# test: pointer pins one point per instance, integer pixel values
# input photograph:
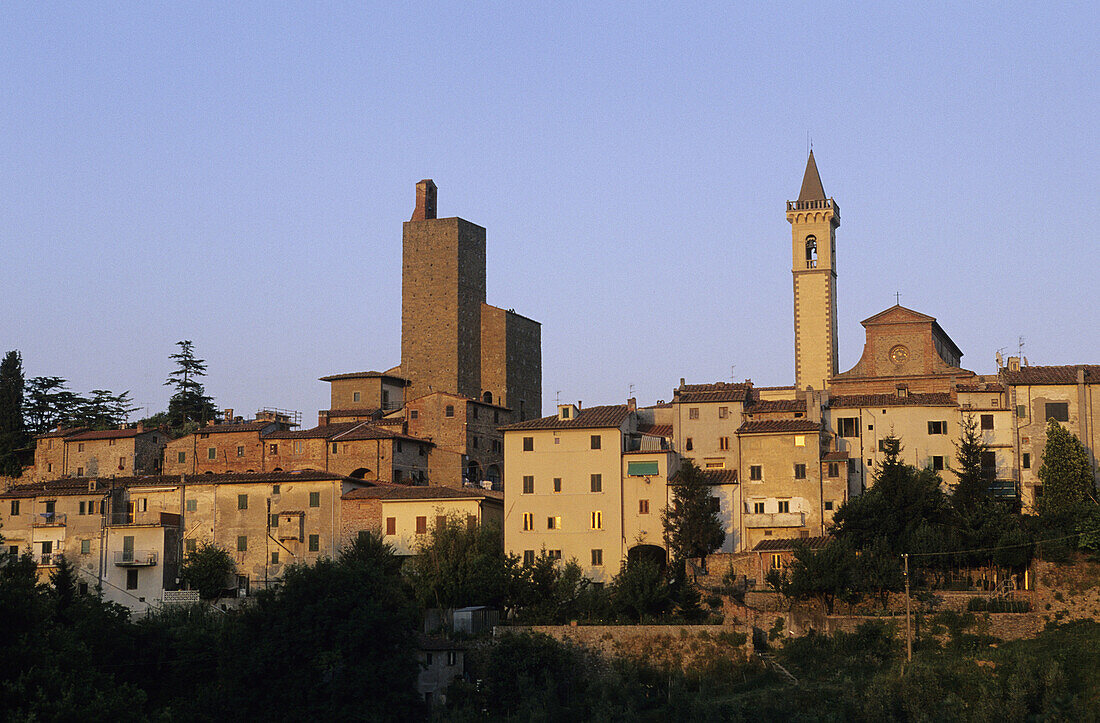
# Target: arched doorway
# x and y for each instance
(360, 473)
(473, 473)
(653, 553)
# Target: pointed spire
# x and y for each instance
(811, 183)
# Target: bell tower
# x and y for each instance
(814, 219)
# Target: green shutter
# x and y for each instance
(642, 469)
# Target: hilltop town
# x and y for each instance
(452, 442)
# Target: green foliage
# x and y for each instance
(691, 522)
(1088, 528)
(50, 404)
(1067, 477)
(640, 591)
(997, 605)
(973, 485)
(208, 570)
(826, 574)
(13, 434)
(878, 572)
(189, 403)
(458, 565)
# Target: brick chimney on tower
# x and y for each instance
(425, 200)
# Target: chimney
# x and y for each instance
(632, 404)
(140, 427)
(425, 200)
(322, 418)
(228, 416)
(1014, 363)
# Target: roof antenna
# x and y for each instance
(897, 298)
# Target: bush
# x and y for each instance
(997, 605)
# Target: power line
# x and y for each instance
(992, 549)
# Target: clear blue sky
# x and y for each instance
(237, 174)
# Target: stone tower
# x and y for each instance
(814, 219)
(442, 292)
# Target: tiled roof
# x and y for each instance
(62, 432)
(362, 375)
(766, 426)
(418, 492)
(324, 431)
(717, 392)
(986, 387)
(790, 543)
(107, 434)
(777, 405)
(835, 456)
(657, 430)
(1066, 374)
(594, 417)
(773, 389)
(373, 431)
(351, 412)
(391, 421)
(931, 399)
(79, 485)
(712, 476)
(242, 427)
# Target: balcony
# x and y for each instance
(776, 519)
(149, 519)
(50, 559)
(49, 519)
(817, 205)
(136, 558)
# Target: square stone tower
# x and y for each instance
(442, 292)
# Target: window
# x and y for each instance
(79, 471)
(758, 508)
(452, 657)
(1058, 411)
(937, 427)
(80, 447)
(391, 525)
(15, 508)
(190, 546)
(828, 505)
(528, 521)
(847, 426)
(554, 554)
(937, 462)
(597, 483)
(83, 506)
(440, 521)
(989, 465)
(355, 396)
(414, 414)
(49, 466)
(275, 489)
(211, 452)
(449, 411)
(273, 520)
(714, 464)
(597, 520)
(122, 463)
(85, 547)
(723, 412)
(297, 446)
(693, 413)
(191, 505)
(473, 412)
(273, 448)
(13, 550)
(643, 507)
(784, 505)
(181, 457)
(1026, 463)
(777, 561)
(423, 451)
(51, 507)
(987, 421)
(553, 522)
(314, 499)
(1021, 410)
(595, 441)
(275, 557)
(834, 469)
(242, 543)
(756, 473)
(800, 471)
(131, 579)
(688, 445)
(597, 558)
(528, 557)
(723, 443)
(421, 525)
(529, 484)
(800, 440)
(314, 543)
(242, 502)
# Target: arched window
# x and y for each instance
(487, 397)
(811, 252)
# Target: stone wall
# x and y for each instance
(659, 645)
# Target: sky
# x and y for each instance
(237, 174)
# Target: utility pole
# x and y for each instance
(908, 628)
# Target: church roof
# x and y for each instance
(812, 190)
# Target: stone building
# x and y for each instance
(81, 452)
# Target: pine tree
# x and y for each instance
(12, 430)
(1066, 474)
(972, 484)
(691, 520)
(189, 403)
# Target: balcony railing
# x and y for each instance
(49, 560)
(818, 205)
(775, 519)
(135, 558)
(49, 519)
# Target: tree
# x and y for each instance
(104, 409)
(826, 574)
(1066, 474)
(973, 483)
(12, 431)
(691, 521)
(458, 565)
(640, 590)
(189, 403)
(207, 569)
(49, 404)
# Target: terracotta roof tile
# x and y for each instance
(984, 387)
(79, 485)
(767, 426)
(790, 543)
(657, 430)
(777, 405)
(1066, 374)
(712, 476)
(835, 456)
(420, 492)
(931, 399)
(227, 428)
(374, 431)
(352, 412)
(716, 392)
(591, 418)
(68, 432)
(362, 375)
(325, 431)
(107, 434)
